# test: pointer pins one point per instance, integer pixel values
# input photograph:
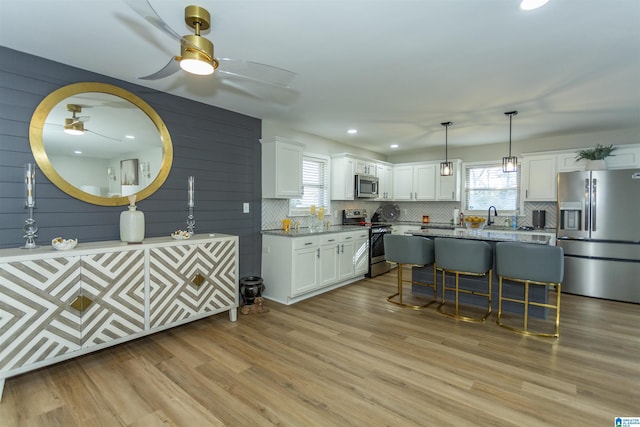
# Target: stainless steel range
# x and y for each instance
(377, 263)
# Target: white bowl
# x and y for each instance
(181, 235)
(63, 244)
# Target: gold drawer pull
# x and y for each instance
(81, 303)
(198, 280)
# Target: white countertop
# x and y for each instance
(489, 235)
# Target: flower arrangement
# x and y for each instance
(600, 152)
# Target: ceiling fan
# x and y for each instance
(75, 124)
(196, 51)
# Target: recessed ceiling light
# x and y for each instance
(394, 145)
(352, 131)
(77, 152)
(532, 4)
(130, 137)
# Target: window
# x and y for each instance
(315, 186)
(486, 185)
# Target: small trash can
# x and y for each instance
(251, 287)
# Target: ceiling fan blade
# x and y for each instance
(256, 71)
(144, 9)
(172, 67)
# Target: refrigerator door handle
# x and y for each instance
(587, 204)
(593, 204)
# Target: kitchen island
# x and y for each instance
(510, 289)
(490, 235)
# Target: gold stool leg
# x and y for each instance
(398, 294)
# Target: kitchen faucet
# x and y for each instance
(495, 213)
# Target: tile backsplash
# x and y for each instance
(274, 210)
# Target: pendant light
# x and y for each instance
(510, 164)
(446, 167)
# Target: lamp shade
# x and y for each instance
(446, 169)
(509, 164)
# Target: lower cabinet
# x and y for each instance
(54, 306)
(296, 268)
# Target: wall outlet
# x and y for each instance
(245, 208)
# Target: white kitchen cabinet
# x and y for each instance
(384, 172)
(329, 254)
(361, 254)
(343, 178)
(365, 167)
(415, 182)
(296, 268)
(346, 259)
(448, 187)
(56, 306)
(281, 168)
(539, 182)
(306, 262)
(566, 162)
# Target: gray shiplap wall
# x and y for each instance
(219, 147)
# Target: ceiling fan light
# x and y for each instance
(73, 128)
(509, 164)
(196, 66)
(197, 56)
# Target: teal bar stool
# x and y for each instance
(467, 258)
(409, 251)
(530, 264)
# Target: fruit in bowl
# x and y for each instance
(475, 223)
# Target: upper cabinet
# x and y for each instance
(539, 178)
(281, 168)
(624, 157)
(343, 173)
(365, 167)
(414, 182)
(448, 187)
(384, 172)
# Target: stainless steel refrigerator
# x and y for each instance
(599, 230)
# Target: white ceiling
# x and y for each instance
(393, 69)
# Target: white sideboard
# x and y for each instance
(55, 305)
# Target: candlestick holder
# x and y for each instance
(30, 230)
(30, 227)
(191, 222)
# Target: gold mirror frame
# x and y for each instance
(36, 130)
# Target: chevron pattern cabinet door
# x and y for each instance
(114, 283)
(37, 321)
(186, 280)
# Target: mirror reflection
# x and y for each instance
(100, 145)
(108, 147)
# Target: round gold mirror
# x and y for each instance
(100, 143)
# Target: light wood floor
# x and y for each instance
(348, 358)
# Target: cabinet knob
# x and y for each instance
(198, 280)
(81, 303)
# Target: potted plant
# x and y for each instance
(595, 156)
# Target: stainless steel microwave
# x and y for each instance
(366, 187)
